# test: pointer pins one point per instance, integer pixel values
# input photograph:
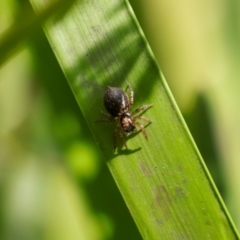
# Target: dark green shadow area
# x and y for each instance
(26, 25)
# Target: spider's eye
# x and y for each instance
(129, 128)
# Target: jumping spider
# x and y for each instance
(118, 104)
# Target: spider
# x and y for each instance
(118, 104)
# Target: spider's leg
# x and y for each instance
(105, 114)
(142, 118)
(104, 120)
(115, 139)
(142, 129)
(144, 107)
(119, 133)
(131, 95)
(109, 118)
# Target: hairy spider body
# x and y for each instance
(118, 104)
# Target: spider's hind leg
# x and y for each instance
(109, 118)
(131, 100)
(105, 114)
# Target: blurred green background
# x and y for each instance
(54, 183)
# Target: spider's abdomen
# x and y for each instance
(116, 101)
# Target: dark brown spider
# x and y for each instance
(118, 105)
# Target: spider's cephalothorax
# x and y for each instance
(118, 105)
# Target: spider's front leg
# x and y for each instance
(142, 129)
(118, 133)
(142, 108)
(143, 118)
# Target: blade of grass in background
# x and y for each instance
(25, 28)
(163, 181)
